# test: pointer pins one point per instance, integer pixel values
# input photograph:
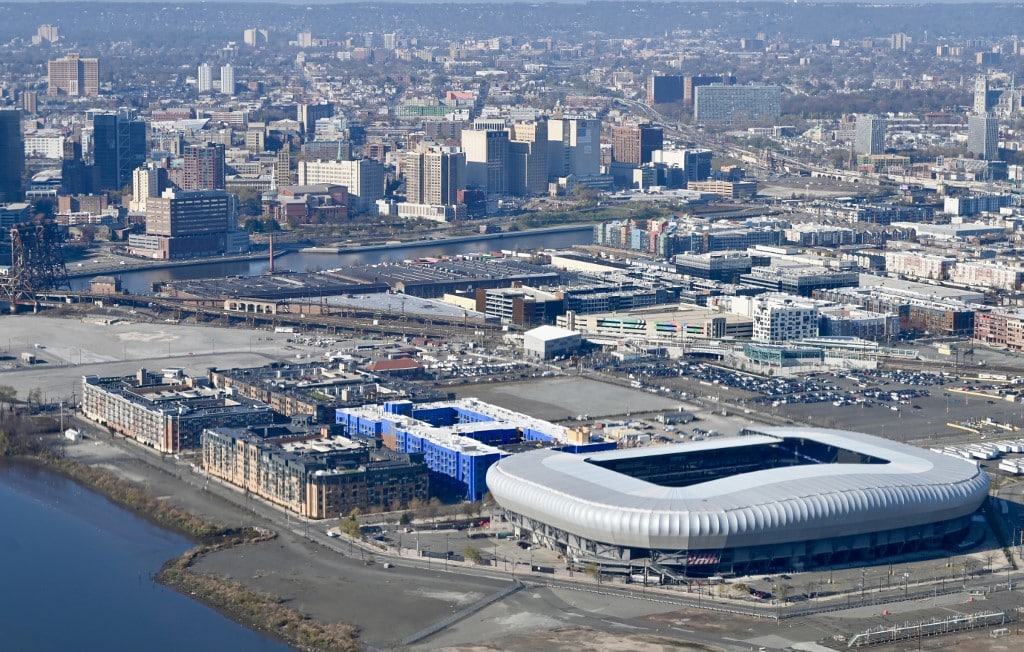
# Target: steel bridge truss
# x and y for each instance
(37, 262)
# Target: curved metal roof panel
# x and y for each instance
(778, 505)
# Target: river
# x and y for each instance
(141, 282)
(76, 576)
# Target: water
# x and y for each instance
(141, 282)
(76, 576)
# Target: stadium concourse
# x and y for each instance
(769, 500)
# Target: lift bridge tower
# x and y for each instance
(36, 263)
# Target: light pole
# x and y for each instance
(447, 552)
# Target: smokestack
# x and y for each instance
(270, 270)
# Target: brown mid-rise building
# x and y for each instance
(1000, 328)
(634, 143)
(315, 476)
(73, 76)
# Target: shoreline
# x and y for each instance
(401, 244)
(143, 266)
(259, 611)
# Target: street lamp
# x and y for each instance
(447, 552)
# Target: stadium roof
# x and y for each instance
(805, 502)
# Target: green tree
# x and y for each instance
(472, 554)
(35, 395)
(350, 526)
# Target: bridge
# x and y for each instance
(36, 264)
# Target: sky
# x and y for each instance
(534, 2)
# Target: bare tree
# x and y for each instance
(7, 396)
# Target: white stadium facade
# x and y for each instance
(771, 499)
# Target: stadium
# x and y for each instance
(769, 500)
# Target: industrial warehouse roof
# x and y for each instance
(549, 333)
(905, 487)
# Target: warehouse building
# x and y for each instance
(547, 342)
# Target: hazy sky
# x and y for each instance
(533, 2)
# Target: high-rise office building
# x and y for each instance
(76, 178)
(73, 76)
(737, 105)
(434, 177)
(48, 33)
(310, 113)
(983, 136)
(255, 36)
(227, 79)
(486, 160)
(204, 79)
(283, 167)
(684, 165)
(664, 89)
(147, 182)
(29, 101)
(869, 135)
(363, 178)
(981, 95)
(574, 147)
(528, 158)
(633, 143)
(204, 167)
(187, 213)
(12, 156)
(190, 223)
(692, 82)
(390, 40)
(119, 146)
(255, 136)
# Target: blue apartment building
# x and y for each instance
(459, 439)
